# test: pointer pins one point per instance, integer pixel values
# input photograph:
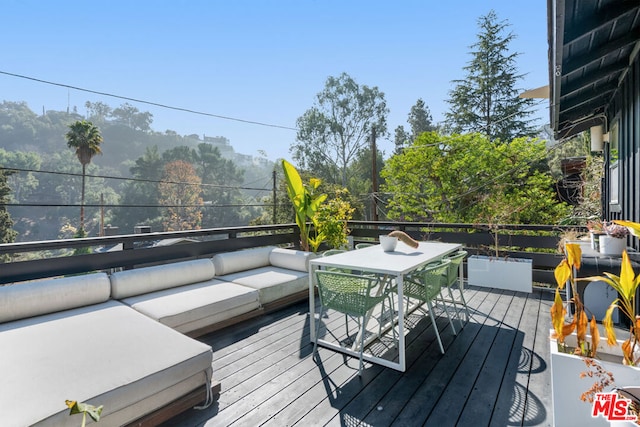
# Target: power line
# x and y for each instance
(228, 187)
(141, 101)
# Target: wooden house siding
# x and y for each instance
(625, 107)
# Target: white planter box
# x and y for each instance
(502, 273)
(567, 386)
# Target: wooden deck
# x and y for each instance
(495, 372)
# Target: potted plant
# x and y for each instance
(306, 202)
(584, 364)
(596, 229)
(615, 239)
(500, 272)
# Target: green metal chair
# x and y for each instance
(453, 277)
(330, 252)
(425, 286)
(353, 295)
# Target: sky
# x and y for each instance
(252, 60)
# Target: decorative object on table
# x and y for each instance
(388, 243)
(615, 241)
(573, 350)
(596, 229)
(405, 238)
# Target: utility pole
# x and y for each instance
(374, 174)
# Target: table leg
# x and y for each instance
(312, 305)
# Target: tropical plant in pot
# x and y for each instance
(306, 201)
(602, 359)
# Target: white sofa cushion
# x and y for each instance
(29, 299)
(150, 279)
(246, 259)
(288, 258)
(106, 354)
(187, 308)
(272, 282)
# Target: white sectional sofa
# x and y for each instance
(279, 275)
(121, 341)
(65, 339)
(184, 295)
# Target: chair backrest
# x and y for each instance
(432, 277)
(332, 252)
(454, 266)
(347, 293)
(364, 245)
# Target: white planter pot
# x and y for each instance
(502, 273)
(567, 386)
(612, 245)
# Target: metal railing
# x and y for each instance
(36, 260)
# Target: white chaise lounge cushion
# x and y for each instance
(191, 307)
(291, 259)
(246, 259)
(106, 354)
(29, 299)
(273, 283)
(150, 279)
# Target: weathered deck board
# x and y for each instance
(494, 371)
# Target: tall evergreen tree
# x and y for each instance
(486, 100)
(7, 234)
(420, 119)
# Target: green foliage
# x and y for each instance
(306, 202)
(85, 409)
(7, 234)
(332, 217)
(469, 178)
(333, 132)
(486, 100)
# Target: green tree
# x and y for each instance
(401, 139)
(486, 100)
(470, 178)
(7, 234)
(143, 192)
(419, 120)
(85, 139)
(130, 116)
(332, 133)
(98, 111)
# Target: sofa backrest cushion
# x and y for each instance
(290, 259)
(144, 280)
(22, 300)
(246, 259)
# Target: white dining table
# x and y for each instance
(394, 265)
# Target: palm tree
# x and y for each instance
(85, 138)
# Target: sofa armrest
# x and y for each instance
(290, 259)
